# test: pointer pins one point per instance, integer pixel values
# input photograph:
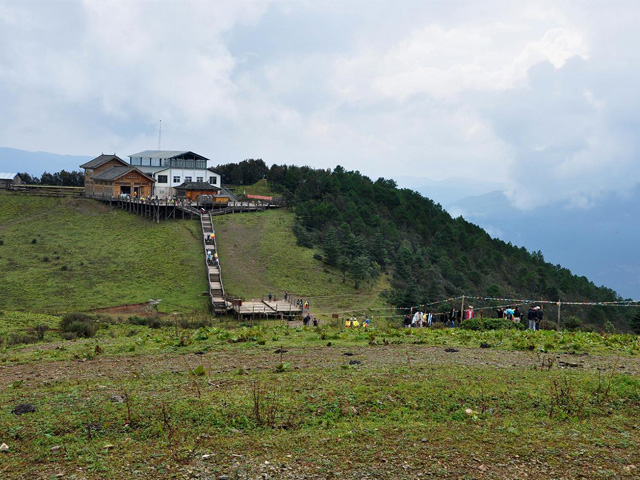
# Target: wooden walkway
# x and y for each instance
(264, 308)
(214, 272)
(156, 209)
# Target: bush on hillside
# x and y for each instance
(478, 324)
(151, 322)
(21, 339)
(547, 325)
(573, 323)
(78, 324)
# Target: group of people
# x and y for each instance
(535, 315)
(212, 257)
(308, 320)
(453, 317)
(354, 323)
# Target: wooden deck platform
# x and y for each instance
(267, 308)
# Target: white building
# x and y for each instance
(172, 168)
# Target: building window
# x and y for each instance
(162, 179)
(213, 180)
(198, 179)
(187, 179)
(176, 179)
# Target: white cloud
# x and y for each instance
(538, 93)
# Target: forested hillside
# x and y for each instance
(366, 227)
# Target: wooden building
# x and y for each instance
(195, 190)
(110, 176)
(8, 180)
(116, 181)
(97, 165)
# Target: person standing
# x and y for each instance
(531, 316)
(517, 314)
(539, 315)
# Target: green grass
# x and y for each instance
(63, 254)
(261, 187)
(259, 254)
(407, 408)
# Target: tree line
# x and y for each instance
(59, 179)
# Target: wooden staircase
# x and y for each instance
(214, 273)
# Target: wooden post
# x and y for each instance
(558, 324)
(462, 310)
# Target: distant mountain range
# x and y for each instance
(600, 243)
(36, 163)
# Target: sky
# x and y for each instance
(537, 99)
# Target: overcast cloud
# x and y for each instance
(540, 97)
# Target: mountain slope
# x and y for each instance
(366, 227)
(35, 163)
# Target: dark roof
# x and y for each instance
(196, 186)
(167, 154)
(101, 160)
(117, 172)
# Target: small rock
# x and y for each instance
(23, 408)
(450, 350)
(355, 362)
(223, 477)
(280, 350)
(424, 440)
(348, 354)
(117, 399)
(108, 446)
(4, 447)
(206, 456)
(329, 344)
(55, 448)
(485, 345)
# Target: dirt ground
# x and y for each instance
(307, 357)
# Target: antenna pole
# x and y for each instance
(160, 135)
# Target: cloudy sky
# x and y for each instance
(540, 98)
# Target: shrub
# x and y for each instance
(45, 259)
(572, 323)
(136, 320)
(1, 242)
(317, 256)
(41, 330)
(194, 324)
(34, 241)
(64, 268)
(151, 322)
(80, 324)
(547, 325)
(21, 338)
(478, 324)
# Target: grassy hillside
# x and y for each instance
(259, 254)
(61, 254)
